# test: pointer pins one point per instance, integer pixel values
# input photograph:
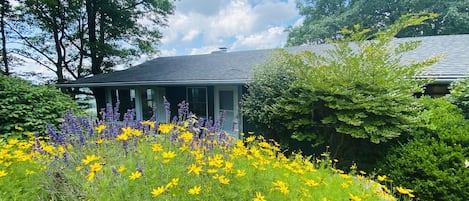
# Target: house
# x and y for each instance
(214, 83)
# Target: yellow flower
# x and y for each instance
(121, 169)
(3, 173)
(18, 128)
(89, 159)
(168, 155)
(382, 178)
(122, 137)
(405, 191)
(13, 141)
(311, 183)
(100, 128)
(158, 191)
(259, 197)
(79, 168)
(156, 147)
(99, 141)
(96, 167)
(222, 179)
(240, 173)
(136, 132)
(172, 183)
(195, 190)
(165, 128)
(194, 169)
(150, 123)
(135, 175)
(90, 176)
(354, 197)
(186, 136)
(29, 172)
(281, 186)
(250, 138)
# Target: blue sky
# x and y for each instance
(202, 26)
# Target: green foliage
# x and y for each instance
(357, 87)
(30, 107)
(460, 95)
(433, 161)
(325, 18)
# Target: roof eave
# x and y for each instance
(153, 83)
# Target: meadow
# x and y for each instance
(189, 158)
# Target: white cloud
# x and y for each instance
(272, 38)
(198, 27)
(167, 53)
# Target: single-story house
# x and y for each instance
(214, 83)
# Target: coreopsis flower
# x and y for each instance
(240, 173)
(122, 137)
(382, 177)
(354, 197)
(96, 167)
(259, 197)
(195, 190)
(194, 169)
(158, 191)
(281, 186)
(311, 183)
(172, 183)
(100, 128)
(3, 173)
(405, 191)
(90, 176)
(156, 147)
(89, 158)
(165, 128)
(135, 175)
(121, 169)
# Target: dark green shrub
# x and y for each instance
(433, 162)
(460, 95)
(30, 107)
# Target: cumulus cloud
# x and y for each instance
(200, 27)
(271, 38)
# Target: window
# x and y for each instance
(197, 99)
(148, 103)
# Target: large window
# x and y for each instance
(197, 99)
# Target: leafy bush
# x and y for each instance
(29, 107)
(359, 87)
(145, 160)
(433, 161)
(460, 95)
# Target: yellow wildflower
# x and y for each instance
(135, 175)
(172, 183)
(121, 169)
(195, 190)
(250, 138)
(281, 186)
(79, 168)
(13, 141)
(259, 197)
(382, 178)
(158, 191)
(165, 128)
(194, 169)
(29, 172)
(186, 136)
(311, 183)
(96, 167)
(240, 173)
(150, 123)
(100, 128)
(354, 197)
(136, 132)
(156, 147)
(90, 176)
(405, 191)
(89, 159)
(122, 137)
(3, 173)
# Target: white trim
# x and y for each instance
(138, 103)
(237, 118)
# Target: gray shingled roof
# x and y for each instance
(236, 67)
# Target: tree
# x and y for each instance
(460, 95)
(89, 36)
(320, 23)
(5, 9)
(356, 88)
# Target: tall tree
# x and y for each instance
(324, 19)
(82, 37)
(4, 11)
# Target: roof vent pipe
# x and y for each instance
(220, 50)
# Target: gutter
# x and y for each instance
(153, 83)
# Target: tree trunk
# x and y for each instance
(4, 46)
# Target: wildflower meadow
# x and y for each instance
(189, 158)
